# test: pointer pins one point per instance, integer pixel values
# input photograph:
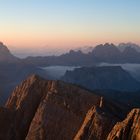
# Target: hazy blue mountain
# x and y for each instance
(130, 55)
(72, 58)
(108, 53)
(103, 78)
(12, 71)
(85, 49)
(5, 55)
(122, 46)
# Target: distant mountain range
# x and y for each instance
(123, 46)
(108, 53)
(85, 49)
(91, 103)
(13, 70)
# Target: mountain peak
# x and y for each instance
(122, 46)
(3, 47)
(131, 126)
(106, 50)
(37, 101)
(37, 106)
(5, 54)
(1, 43)
(97, 124)
(34, 77)
(109, 45)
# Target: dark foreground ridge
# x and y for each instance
(41, 109)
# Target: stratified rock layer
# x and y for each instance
(49, 109)
(96, 126)
(129, 129)
(41, 109)
(60, 112)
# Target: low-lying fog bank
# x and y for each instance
(56, 72)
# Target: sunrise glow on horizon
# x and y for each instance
(68, 23)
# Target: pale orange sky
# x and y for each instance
(61, 24)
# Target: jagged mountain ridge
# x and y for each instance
(15, 70)
(34, 105)
(108, 53)
(122, 46)
(12, 71)
(96, 120)
(129, 129)
(31, 96)
(5, 55)
(30, 113)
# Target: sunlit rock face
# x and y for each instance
(40, 109)
(96, 126)
(129, 129)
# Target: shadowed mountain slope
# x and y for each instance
(50, 110)
(103, 78)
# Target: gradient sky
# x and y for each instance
(68, 23)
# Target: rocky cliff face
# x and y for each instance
(25, 100)
(41, 109)
(129, 129)
(96, 126)
(48, 109)
(58, 113)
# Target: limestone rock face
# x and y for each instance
(41, 109)
(48, 109)
(97, 125)
(60, 112)
(129, 129)
(25, 100)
